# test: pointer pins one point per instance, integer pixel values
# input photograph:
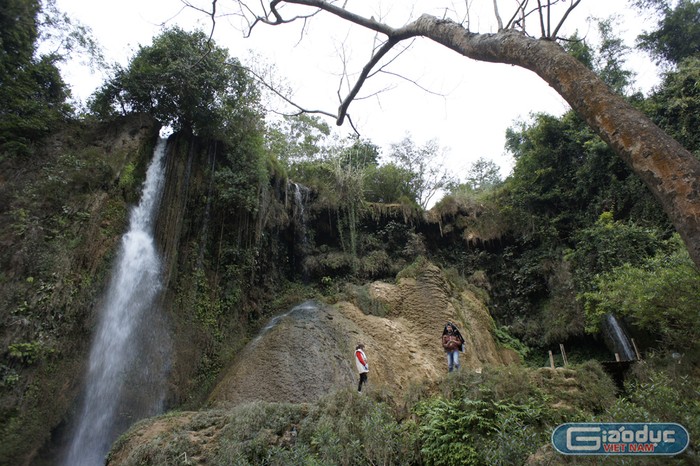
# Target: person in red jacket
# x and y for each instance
(361, 364)
(452, 343)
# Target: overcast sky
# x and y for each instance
(467, 106)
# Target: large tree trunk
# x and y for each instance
(670, 171)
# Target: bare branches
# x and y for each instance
(498, 16)
(541, 15)
(542, 10)
(573, 5)
(394, 36)
(281, 12)
(211, 14)
(279, 94)
(520, 11)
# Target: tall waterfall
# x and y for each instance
(129, 355)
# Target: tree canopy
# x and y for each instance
(185, 81)
(32, 93)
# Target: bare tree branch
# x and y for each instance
(539, 11)
(498, 16)
(518, 11)
(573, 5)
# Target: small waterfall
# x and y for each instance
(129, 354)
(305, 307)
(617, 338)
(301, 246)
(301, 197)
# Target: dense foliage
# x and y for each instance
(659, 295)
(185, 81)
(677, 33)
(32, 92)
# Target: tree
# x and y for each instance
(675, 106)
(422, 162)
(297, 138)
(184, 80)
(32, 92)
(677, 35)
(483, 174)
(668, 169)
(390, 184)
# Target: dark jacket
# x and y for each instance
(451, 341)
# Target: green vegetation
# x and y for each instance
(567, 237)
(660, 296)
(33, 94)
(185, 81)
(502, 416)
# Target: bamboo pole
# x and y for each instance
(636, 351)
(551, 359)
(563, 354)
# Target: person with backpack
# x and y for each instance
(452, 343)
(361, 364)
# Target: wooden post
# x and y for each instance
(617, 357)
(563, 354)
(551, 359)
(636, 351)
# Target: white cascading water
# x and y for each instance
(128, 357)
(621, 341)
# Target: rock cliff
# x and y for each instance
(307, 352)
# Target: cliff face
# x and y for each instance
(305, 354)
(62, 212)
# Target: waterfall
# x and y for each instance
(301, 197)
(617, 338)
(129, 353)
(301, 247)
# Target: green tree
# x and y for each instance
(483, 174)
(609, 62)
(32, 92)
(185, 81)
(609, 244)
(677, 33)
(675, 105)
(389, 184)
(423, 162)
(360, 154)
(297, 138)
(565, 176)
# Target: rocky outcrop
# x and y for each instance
(307, 352)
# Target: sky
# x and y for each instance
(430, 92)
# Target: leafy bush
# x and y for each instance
(27, 353)
(509, 341)
(661, 296)
(655, 395)
(470, 432)
(609, 244)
